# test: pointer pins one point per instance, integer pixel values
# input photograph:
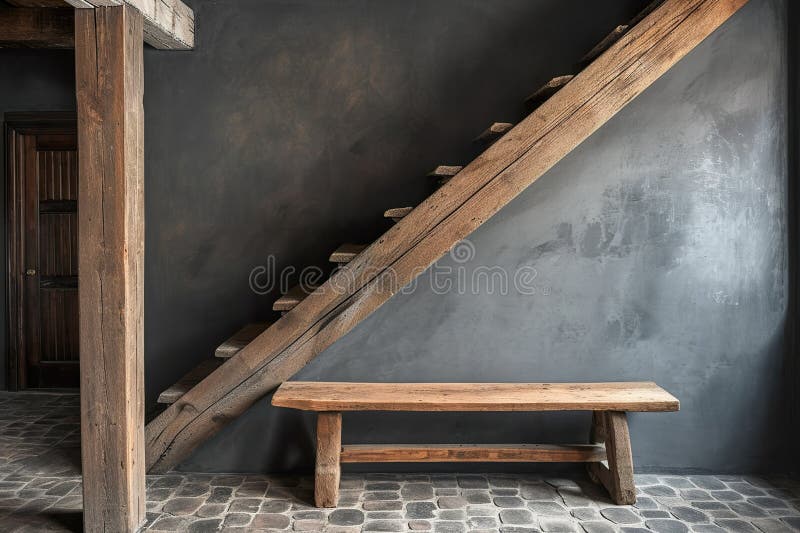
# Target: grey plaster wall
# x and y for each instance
(660, 245)
(660, 253)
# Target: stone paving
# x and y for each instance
(40, 490)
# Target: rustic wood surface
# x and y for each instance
(339, 396)
(346, 253)
(397, 213)
(450, 214)
(37, 28)
(168, 24)
(548, 89)
(240, 339)
(110, 89)
(189, 380)
(605, 43)
(470, 453)
(293, 296)
(494, 132)
(620, 459)
(328, 468)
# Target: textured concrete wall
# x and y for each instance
(659, 247)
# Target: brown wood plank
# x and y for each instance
(240, 339)
(444, 173)
(328, 469)
(605, 43)
(339, 396)
(188, 380)
(470, 453)
(346, 253)
(475, 194)
(37, 28)
(619, 482)
(293, 296)
(110, 89)
(494, 132)
(548, 89)
(397, 213)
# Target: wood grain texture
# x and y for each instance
(494, 132)
(291, 298)
(168, 24)
(339, 396)
(346, 253)
(397, 213)
(450, 214)
(328, 469)
(548, 89)
(620, 458)
(188, 380)
(605, 43)
(37, 28)
(471, 453)
(240, 339)
(110, 90)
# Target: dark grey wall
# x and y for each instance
(660, 250)
(659, 245)
(30, 80)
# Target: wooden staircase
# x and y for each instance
(565, 111)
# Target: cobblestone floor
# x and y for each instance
(40, 490)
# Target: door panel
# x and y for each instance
(44, 256)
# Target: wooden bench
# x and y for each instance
(608, 454)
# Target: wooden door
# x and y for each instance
(43, 248)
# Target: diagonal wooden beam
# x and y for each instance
(453, 212)
(168, 24)
(37, 28)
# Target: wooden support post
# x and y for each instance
(109, 79)
(617, 477)
(329, 449)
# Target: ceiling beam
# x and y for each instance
(37, 28)
(168, 24)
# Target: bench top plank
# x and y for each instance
(339, 396)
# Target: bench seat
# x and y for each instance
(607, 454)
(339, 396)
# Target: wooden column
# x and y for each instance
(329, 449)
(109, 78)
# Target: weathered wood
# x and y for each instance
(346, 253)
(620, 459)
(444, 173)
(494, 132)
(291, 298)
(450, 214)
(397, 213)
(328, 469)
(240, 339)
(37, 28)
(605, 43)
(168, 24)
(110, 88)
(548, 89)
(189, 380)
(471, 453)
(336, 396)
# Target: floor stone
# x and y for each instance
(40, 491)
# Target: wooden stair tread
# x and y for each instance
(397, 213)
(445, 171)
(346, 253)
(240, 339)
(494, 132)
(337, 396)
(548, 89)
(189, 380)
(605, 43)
(293, 296)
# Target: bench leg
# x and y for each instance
(329, 449)
(617, 477)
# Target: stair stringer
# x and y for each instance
(450, 214)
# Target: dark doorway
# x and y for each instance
(42, 214)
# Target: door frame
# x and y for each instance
(26, 123)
